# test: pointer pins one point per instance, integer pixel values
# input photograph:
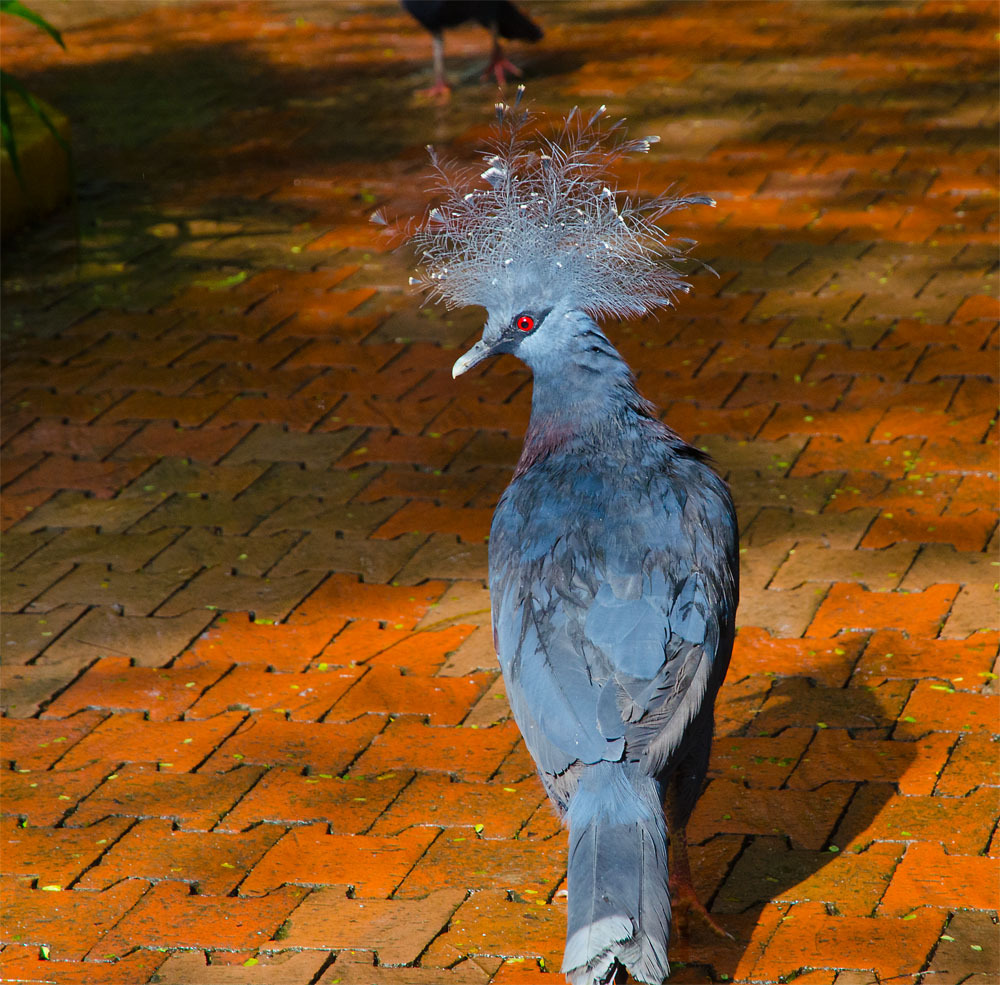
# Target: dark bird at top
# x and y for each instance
(500, 17)
(613, 559)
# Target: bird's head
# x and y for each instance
(531, 330)
(542, 233)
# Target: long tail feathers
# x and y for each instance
(619, 901)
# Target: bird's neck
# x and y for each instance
(586, 395)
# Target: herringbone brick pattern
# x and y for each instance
(254, 731)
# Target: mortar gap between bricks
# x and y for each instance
(709, 353)
(222, 738)
(385, 811)
(42, 705)
(132, 823)
(324, 967)
(744, 845)
(416, 862)
(38, 656)
(70, 811)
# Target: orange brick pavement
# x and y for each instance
(253, 728)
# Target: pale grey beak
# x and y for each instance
(475, 355)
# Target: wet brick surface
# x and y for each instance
(253, 728)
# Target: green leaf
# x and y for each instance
(18, 9)
(7, 131)
(221, 285)
(7, 81)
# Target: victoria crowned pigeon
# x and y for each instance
(613, 560)
(500, 17)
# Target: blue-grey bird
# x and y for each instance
(613, 560)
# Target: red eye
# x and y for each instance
(525, 323)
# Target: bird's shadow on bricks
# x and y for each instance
(785, 814)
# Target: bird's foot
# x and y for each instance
(499, 65)
(439, 93)
(685, 903)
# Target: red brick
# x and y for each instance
(101, 479)
(70, 923)
(168, 916)
(184, 411)
(826, 453)
(361, 410)
(72, 408)
(928, 876)
(828, 661)
(44, 798)
(302, 697)
(489, 922)
(809, 936)
(850, 607)
(112, 683)
(19, 963)
(807, 818)
(310, 856)
(270, 740)
(349, 804)
(965, 533)
(758, 389)
(33, 744)
(964, 771)
(297, 413)
(973, 397)
(434, 450)
(175, 747)
(468, 523)
(469, 754)
(344, 595)
(16, 507)
(962, 824)
(502, 809)
(935, 705)
(833, 755)
(369, 357)
(851, 426)
(977, 306)
(443, 700)
(242, 968)
(93, 441)
(459, 858)
(55, 856)
(213, 863)
(796, 702)
(893, 655)
(938, 425)
(759, 762)
(419, 653)
(360, 641)
(397, 930)
(974, 492)
(283, 647)
(851, 882)
(132, 593)
(957, 456)
(194, 801)
(200, 444)
(872, 391)
(407, 483)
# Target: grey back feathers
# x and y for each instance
(543, 219)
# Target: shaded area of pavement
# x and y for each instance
(254, 729)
